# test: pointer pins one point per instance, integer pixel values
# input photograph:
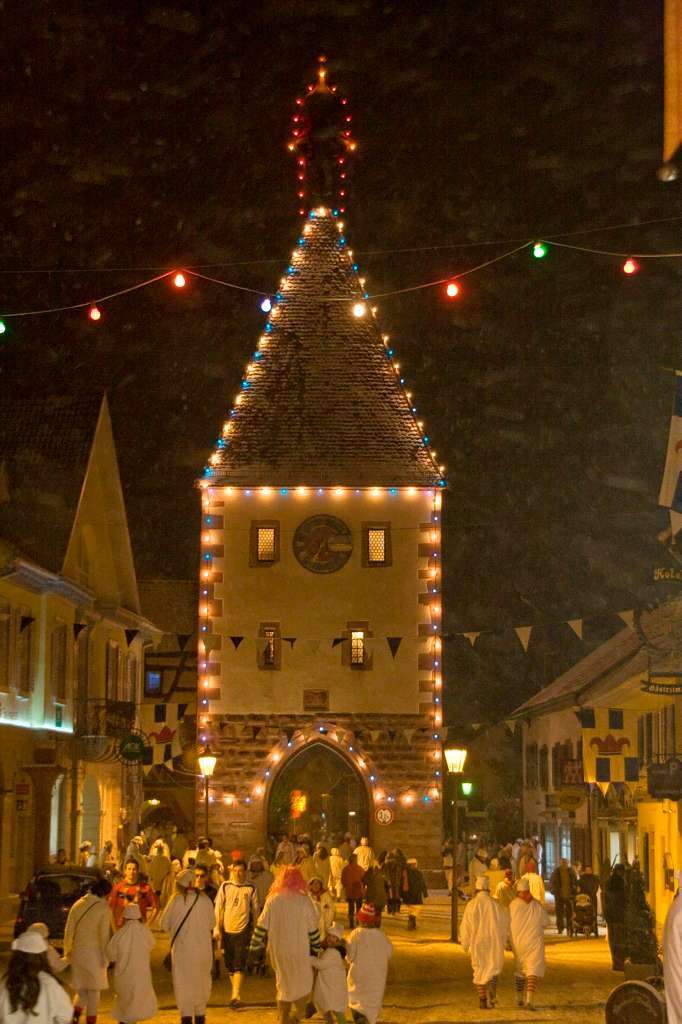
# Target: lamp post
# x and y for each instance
(455, 758)
(207, 761)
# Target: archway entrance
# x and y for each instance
(320, 794)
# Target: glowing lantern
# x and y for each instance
(452, 290)
(179, 280)
(266, 305)
(630, 266)
(95, 313)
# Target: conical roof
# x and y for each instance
(322, 403)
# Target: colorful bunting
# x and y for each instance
(393, 644)
(472, 637)
(236, 640)
(577, 627)
(523, 633)
(130, 635)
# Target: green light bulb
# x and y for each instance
(539, 250)
(467, 788)
(3, 327)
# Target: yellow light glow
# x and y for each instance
(420, 424)
(437, 644)
(291, 147)
(438, 718)
(205, 610)
(434, 793)
(339, 492)
(215, 458)
(350, 253)
(436, 755)
(352, 146)
(434, 573)
(321, 211)
(407, 799)
(361, 763)
(249, 366)
(227, 491)
(435, 609)
(266, 491)
(438, 682)
(307, 229)
(435, 536)
(359, 309)
(378, 795)
(438, 502)
(408, 395)
(206, 538)
(340, 225)
(239, 399)
(302, 491)
(385, 337)
(276, 756)
(376, 491)
(206, 574)
(411, 491)
(362, 281)
(455, 758)
(375, 310)
(441, 469)
(259, 789)
(229, 799)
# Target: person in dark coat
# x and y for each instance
(614, 913)
(562, 885)
(393, 869)
(414, 891)
(588, 883)
(375, 888)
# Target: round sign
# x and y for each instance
(132, 748)
(384, 816)
(323, 544)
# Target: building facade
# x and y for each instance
(71, 636)
(319, 602)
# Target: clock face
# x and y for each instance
(323, 544)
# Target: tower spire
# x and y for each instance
(322, 140)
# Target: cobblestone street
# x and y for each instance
(430, 982)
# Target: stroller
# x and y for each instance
(584, 917)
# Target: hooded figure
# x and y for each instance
(336, 866)
(330, 994)
(672, 958)
(483, 933)
(364, 854)
(528, 922)
(323, 902)
(189, 920)
(49, 1004)
(289, 926)
(368, 954)
(129, 949)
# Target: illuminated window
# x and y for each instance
(269, 649)
(357, 647)
(152, 683)
(264, 545)
(376, 545)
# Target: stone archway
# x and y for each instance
(318, 792)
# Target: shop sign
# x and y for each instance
(132, 749)
(571, 799)
(384, 816)
(664, 781)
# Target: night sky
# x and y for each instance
(143, 136)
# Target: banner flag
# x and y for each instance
(523, 633)
(182, 639)
(130, 635)
(375, 734)
(577, 627)
(337, 640)
(472, 637)
(236, 640)
(394, 643)
(670, 495)
(291, 640)
(78, 628)
(408, 734)
(628, 618)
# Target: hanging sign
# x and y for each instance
(663, 683)
(384, 816)
(664, 781)
(571, 799)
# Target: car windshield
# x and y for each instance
(59, 887)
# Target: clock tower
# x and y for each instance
(320, 610)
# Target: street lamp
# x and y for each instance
(455, 758)
(207, 762)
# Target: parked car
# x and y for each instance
(49, 896)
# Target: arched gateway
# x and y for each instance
(320, 576)
(319, 793)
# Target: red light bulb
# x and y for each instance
(452, 289)
(179, 280)
(630, 266)
(95, 313)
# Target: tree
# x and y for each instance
(640, 924)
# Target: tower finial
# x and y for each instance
(322, 140)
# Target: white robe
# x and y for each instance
(192, 952)
(536, 886)
(528, 923)
(483, 934)
(129, 949)
(368, 954)
(87, 932)
(330, 992)
(364, 856)
(326, 908)
(672, 961)
(289, 918)
(336, 866)
(52, 1007)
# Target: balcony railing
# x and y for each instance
(111, 718)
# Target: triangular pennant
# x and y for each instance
(603, 787)
(255, 731)
(577, 627)
(337, 640)
(289, 734)
(391, 734)
(182, 639)
(472, 637)
(408, 734)
(523, 633)
(675, 522)
(130, 635)
(236, 640)
(628, 618)
(78, 628)
(375, 734)
(394, 643)
(25, 621)
(291, 640)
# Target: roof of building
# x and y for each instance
(607, 662)
(170, 604)
(45, 443)
(322, 401)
